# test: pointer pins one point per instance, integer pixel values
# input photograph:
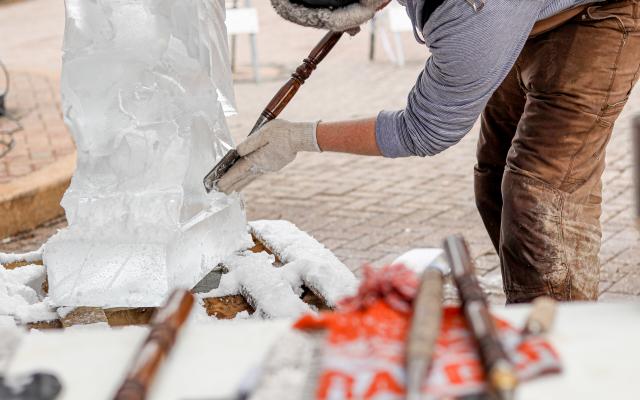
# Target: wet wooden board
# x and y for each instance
(83, 316)
(18, 264)
(129, 316)
(227, 307)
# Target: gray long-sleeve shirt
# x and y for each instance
(471, 54)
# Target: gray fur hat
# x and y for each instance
(337, 19)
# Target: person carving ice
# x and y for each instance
(549, 79)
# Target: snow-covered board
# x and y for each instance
(286, 273)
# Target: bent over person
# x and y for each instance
(548, 77)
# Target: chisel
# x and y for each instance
(499, 370)
(425, 328)
(277, 103)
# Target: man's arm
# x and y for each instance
(471, 53)
(355, 137)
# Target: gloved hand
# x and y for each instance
(338, 19)
(268, 150)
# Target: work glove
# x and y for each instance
(270, 149)
(346, 18)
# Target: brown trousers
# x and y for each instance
(541, 151)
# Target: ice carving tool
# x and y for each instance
(540, 320)
(277, 103)
(39, 386)
(425, 328)
(499, 370)
(165, 326)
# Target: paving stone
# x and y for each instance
(630, 285)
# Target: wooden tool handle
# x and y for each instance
(298, 78)
(496, 363)
(424, 331)
(427, 314)
(165, 325)
(540, 320)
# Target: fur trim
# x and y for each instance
(340, 19)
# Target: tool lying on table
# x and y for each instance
(36, 387)
(277, 103)
(165, 325)
(543, 312)
(425, 327)
(499, 371)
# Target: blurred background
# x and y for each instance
(367, 210)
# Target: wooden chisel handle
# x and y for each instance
(540, 320)
(498, 368)
(298, 78)
(165, 325)
(427, 315)
(424, 331)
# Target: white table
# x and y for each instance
(598, 344)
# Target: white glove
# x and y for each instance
(269, 150)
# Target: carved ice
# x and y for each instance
(146, 85)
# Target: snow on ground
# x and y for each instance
(306, 258)
(266, 288)
(21, 295)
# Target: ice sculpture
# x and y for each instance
(146, 85)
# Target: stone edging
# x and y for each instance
(30, 200)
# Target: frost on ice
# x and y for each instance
(145, 86)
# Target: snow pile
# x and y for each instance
(21, 295)
(10, 336)
(266, 288)
(275, 292)
(306, 258)
(146, 86)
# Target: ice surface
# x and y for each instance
(306, 259)
(145, 86)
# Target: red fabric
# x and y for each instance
(364, 353)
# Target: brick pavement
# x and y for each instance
(371, 209)
(42, 138)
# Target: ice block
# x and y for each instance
(146, 86)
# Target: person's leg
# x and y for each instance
(498, 126)
(577, 78)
